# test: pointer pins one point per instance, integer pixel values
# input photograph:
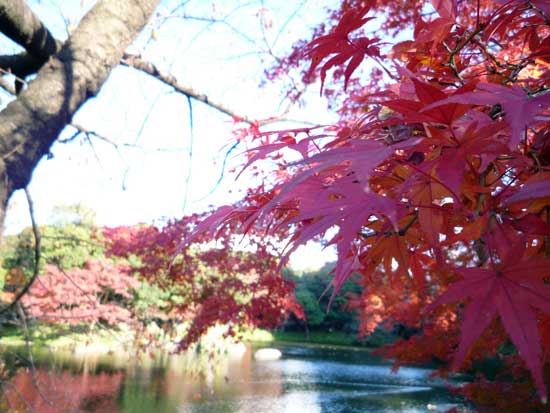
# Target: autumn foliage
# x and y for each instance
(78, 295)
(434, 187)
(208, 284)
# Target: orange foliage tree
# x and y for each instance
(208, 284)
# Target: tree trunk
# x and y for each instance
(30, 124)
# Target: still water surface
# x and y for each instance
(304, 380)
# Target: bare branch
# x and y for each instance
(6, 86)
(36, 270)
(30, 124)
(117, 145)
(151, 69)
(80, 129)
(21, 65)
(21, 25)
(138, 63)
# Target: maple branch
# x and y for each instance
(458, 48)
(541, 91)
(479, 244)
(481, 198)
(488, 54)
(138, 63)
(452, 63)
(401, 232)
(518, 67)
(541, 11)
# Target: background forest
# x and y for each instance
(81, 283)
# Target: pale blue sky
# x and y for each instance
(135, 107)
(222, 60)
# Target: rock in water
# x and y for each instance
(264, 354)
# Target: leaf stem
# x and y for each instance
(547, 237)
(481, 198)
(480, 247)
(401, 232)
(409, 224)
(457, 49)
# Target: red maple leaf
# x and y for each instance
(531, 190)
(544, 325)
(345, 205)
(512, 289)
(445, 8)
(520, 109)
(339, 43)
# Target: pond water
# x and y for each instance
(303, 380)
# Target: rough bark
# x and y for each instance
(30, 124)
(21, 25)
(21, 65)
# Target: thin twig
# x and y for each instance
(27, 336)
(547, 237)
(401, 232)
(36, 270)
(190, 153)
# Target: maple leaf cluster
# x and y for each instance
(434, 187)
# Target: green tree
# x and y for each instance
(67, 245)
(314, 315)
(322, 310)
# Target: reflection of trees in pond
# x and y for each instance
(303, 381)
(225, 384)
(93, 383)
(138, 396)
(44, 391)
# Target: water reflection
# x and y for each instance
(304, 380)
(43, 391)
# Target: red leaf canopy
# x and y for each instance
(513, 290)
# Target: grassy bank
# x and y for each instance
(335, 338)
(80, 339)
(105, 340)
(67, 337)
(316, 337)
